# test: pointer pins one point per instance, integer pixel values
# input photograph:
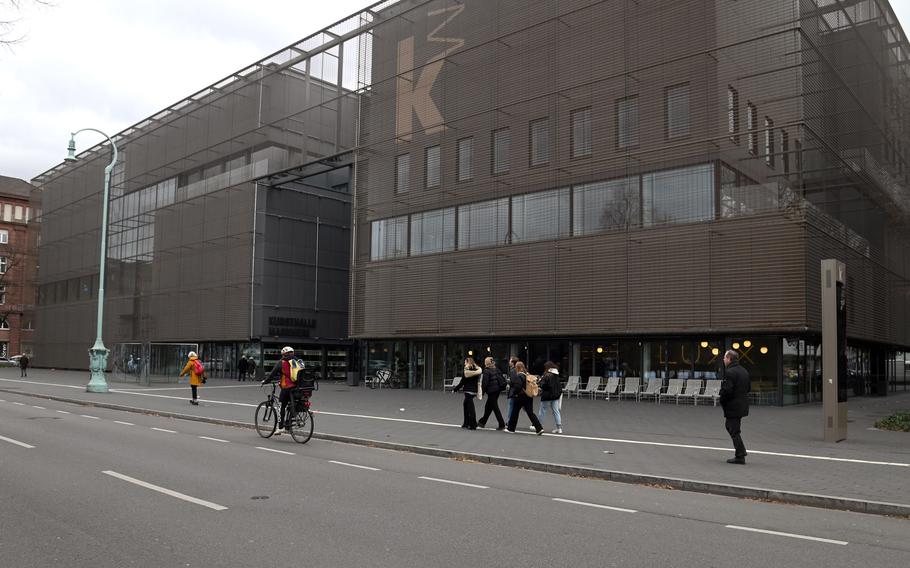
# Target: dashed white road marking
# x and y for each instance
(355, 465)
(16, 442)
(87, 416)
(215, 439)
(164, 430)
(595, 505)
(124, 423)
(789, 535)
(64, 412)
(19, 403)
(166, 491)
(39, 407)
(276, 451)
(454, 482)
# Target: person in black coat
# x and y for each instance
(550, 393)
(522, 401)
(469, 384)
(734, 398)
(492, 382)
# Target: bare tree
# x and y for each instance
(10, 17)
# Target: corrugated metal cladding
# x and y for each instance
(752, 135)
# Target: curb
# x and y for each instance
(680, 484)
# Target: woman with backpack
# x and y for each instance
(518, 390)
(469, 384)
(197, 374)
(550, 392)
(493, 383)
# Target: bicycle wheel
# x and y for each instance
(266, 419)
(301, 427)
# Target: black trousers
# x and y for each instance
(194, 389)
(492, 407)
(522, 401)
(284, 397)
(733, 428)
(23, 371)
(470, 416)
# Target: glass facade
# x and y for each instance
(678, 196)
(541, 216)
(483, 224)
(433, 231)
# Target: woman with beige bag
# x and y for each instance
(470, 385)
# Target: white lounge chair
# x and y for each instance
(572, 386)
(591, 387)
(632, 386)
(608, 389)
(674, 387)
(652, 390)
(450, 384)
(712, 391)
(692, 388)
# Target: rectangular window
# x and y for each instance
(502, 148)
(433, 231)
(798, 156)
(581, 133)
(4, 325)
(769, 142)
(678, 196)
(432, 170)
(733, 114)
(389, 238)
(541, 216)
(2, 294)
(7, 212)
(785, 151)
(677, 113)
(465, 159)
(539, 131)
(483, 224)
(403, 173)
(752, 126)
(627, 122)
(3, 264)
(4, 237)
(606, 205)
(18, 214)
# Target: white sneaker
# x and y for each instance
(532, 428)
(280, 431)
(557, 431)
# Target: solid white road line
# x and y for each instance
(39, 407)
(16, 442)
(163, 430)
(790, 535)
(455, 482)
(124, 423)
(1, 400)
(355, 465)
(166, 491)
(276, 451)
(63, 412)
(215, 439)
(87, 416)
(595, 505)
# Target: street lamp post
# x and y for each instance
(98, 354)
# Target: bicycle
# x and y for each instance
(300, 420)
(384, 378)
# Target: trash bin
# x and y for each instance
(353, 379)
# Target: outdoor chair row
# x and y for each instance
(676, 389)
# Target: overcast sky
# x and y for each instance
(108, 64)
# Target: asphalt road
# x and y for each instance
(102, 488)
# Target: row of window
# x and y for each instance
(676, 116)
(752, 134)
(19, 213)
(671, 196)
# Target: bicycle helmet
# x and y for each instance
(285, 350)
(191, 354)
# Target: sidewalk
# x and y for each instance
(684, 447)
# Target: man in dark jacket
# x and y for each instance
(734, 398)
(23, 365)
(492, 382)
(550, 392)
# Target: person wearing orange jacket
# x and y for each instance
(282, 373)
(196, 379)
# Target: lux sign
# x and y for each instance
(414, 96)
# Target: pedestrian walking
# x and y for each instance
(196, 370)
(469, 384)
(522, 400)
(550, 394)
(492, 383)
(734, 398)
(241, 368)
(23, 365)
(251, 368)
(509, 379)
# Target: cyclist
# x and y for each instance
(282, 372)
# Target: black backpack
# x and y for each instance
(501, 380)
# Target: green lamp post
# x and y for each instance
(98, 354)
